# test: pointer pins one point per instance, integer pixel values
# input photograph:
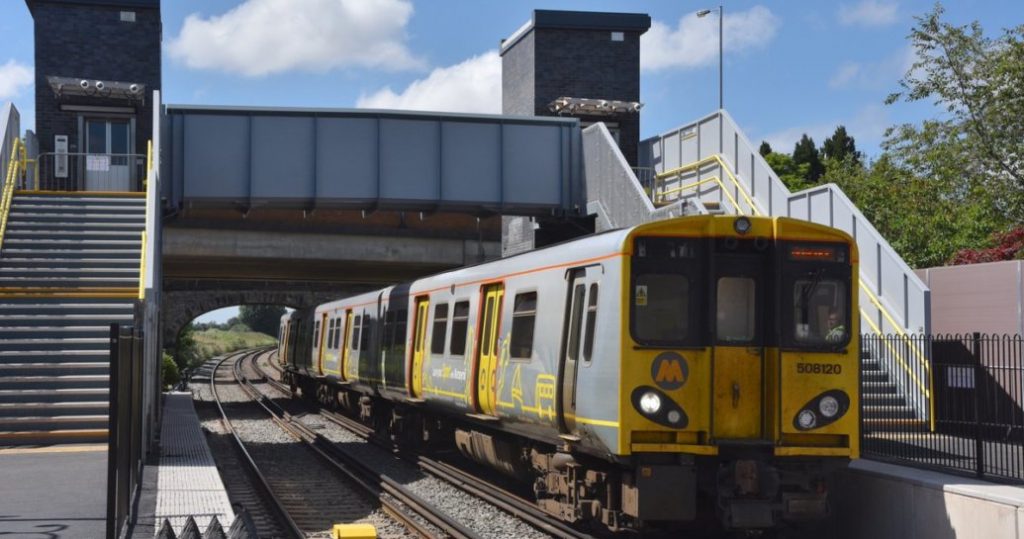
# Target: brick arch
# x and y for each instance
(179, 307)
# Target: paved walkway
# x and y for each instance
(54, 492)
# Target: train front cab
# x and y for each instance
(740, 369)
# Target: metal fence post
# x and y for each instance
(979, 447)
(112, 516)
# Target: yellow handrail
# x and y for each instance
(14, 169)
(148, 185)
(696, 165)
(142, 268)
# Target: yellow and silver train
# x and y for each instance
(627, 374)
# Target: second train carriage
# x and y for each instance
(699, 353)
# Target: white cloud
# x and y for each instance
(263, 37)
(869, 13)
(13, 78)
(874, 75)
(473, 85)
(867, 126)
(694, 41)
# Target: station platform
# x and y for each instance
(54, 492)
(184, 481)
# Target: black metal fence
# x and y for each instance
(960, 411)
(125, 454)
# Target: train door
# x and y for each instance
(573, 339)
(284, 343)
(739, 333)
(487, 347)
(321, 327)
(418, 347)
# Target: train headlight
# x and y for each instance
(741, 225)
(829, 406)
(650, 403)
(806, 419)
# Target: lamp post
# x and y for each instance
(703, 13)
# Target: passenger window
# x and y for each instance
(524, 316)
(364, 339)
(329, 338)
(460, 328)
(588, 344)
(485, 327)
(820, 311)
(337, 333)
(356, 330)
(735, 309)
(577, 319)
(661, 303)
(440, 327)
(316, 334)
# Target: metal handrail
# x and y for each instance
(19, 160)
(42, 158)
(147, 185)
(696, 165)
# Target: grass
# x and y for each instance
(215, 342)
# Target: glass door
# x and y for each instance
(107, 160)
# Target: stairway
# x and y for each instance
(882, 403)
(68, 269)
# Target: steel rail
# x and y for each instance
(292, 527)
(373, 481)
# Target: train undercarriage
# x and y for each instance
(742, 489)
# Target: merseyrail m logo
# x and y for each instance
(669, 370)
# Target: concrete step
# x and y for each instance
(76, 200)
(55, 270)
(54, 395)
(69, 282)
(52, 205)
(883, 399)
(64, 306)
(73, 234)
(37, 409)
(71, 244)
(868, 364)
(135, 226)
(54, 320)
(869, 376)
(53, 332)
(879, 387)
(50, 423)
(51, 437)
(8, 357)
(63, 345)
(70, 254)
(887, 412)
(77, 215)
(83, 381)
(63, 368)
(65, 265)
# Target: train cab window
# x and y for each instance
(661, 307)
(588, 343)
(524, 316)
(460, 328)
(356, 326)
(440, 328)
(819, 312)
(736, 311)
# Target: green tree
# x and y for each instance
(170, 374)
(262, 318)
(840, 146)
(765, 148)
(806, 153)
(791, 174)
(978, 83)
(186, 351)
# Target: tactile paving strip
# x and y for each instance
(188, 483)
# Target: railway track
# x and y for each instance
(492, 493)
(304, 492)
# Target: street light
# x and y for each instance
(704, 13)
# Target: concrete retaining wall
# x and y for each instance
(881, 501)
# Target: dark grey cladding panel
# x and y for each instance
(534, 158)
(410, 160)
(338, 158)
(471, 162)
(283, 154)
(346, 158)
(216, 157)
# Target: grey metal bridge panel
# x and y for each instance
(355, 158)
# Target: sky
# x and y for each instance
(791, 67)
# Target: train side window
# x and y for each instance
(524, 316)
(578, 294)
(356, 325)
(329, 336)
(316, 334)
(485, 338)
(364, 338)
(440, 328)
(661, 306)
(337, 332)
(398, 339)
(588, 343)
(460, 328)
(735, 309)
